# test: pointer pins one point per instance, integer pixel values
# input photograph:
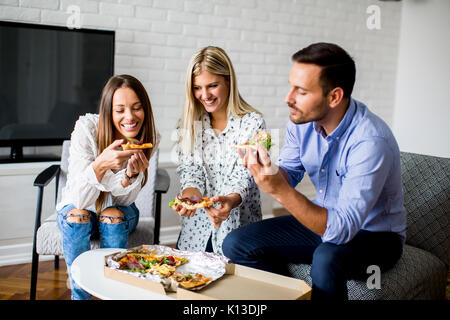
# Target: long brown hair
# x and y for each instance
(105, 132)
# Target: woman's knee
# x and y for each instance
(78, 216)
(112, 215)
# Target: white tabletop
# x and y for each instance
(87, 272)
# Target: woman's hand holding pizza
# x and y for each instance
(183, 211)
(111, 158)
(137, 163)
(226, 204)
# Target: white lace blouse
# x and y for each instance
(82, 188)
(215, 168)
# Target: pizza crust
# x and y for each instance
(204, 204)
(131, 146)
(244, 146)
(191, 281)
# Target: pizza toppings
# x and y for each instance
(163, 265)
(193, 202)
(133, 141)
(190, 280)
(135, 144)
(263, 138)
(169, 267)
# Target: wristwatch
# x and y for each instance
(132, 178)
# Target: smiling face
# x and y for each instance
(127, 113)
(305, 97)
(212, 91)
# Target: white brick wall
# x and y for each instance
(155, 39)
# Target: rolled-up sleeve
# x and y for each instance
(84, 187)
(289, 158)
(366, 171)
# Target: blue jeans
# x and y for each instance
(273, 243)
(76, 237)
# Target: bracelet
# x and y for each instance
(132, 178)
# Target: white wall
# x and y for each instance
(422, 102)
(156, 38)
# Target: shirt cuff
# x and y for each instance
(118, 190)
(336, 232)
(241, 192)
(92, 178)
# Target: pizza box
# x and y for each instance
(238, 283)
(244, 283)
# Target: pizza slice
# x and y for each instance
(135, 144)
(143, 263)
(173, 261)
(190, 280)
(132, 263)
(163, 270)
(191, 203)
(263, 138)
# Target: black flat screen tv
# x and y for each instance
(49, 76)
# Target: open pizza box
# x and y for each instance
(238, 283)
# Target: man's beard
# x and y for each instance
(320, 112)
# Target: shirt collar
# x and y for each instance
(209, 129)
(343, 125)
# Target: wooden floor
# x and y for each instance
(51, 284)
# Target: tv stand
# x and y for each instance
(16, 153)
(16, 156)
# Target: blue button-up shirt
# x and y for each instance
(355, 170)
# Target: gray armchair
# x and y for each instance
(47, 237)
(421, 272)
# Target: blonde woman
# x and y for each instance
(214, 118)
(103, 181)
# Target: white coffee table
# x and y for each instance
(87, 272)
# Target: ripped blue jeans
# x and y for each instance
(76, 237)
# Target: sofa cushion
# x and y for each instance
(426, 185)
(417, 275)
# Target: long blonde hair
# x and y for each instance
(105, 132)
(215, 61)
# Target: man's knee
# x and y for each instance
(327, 259)
(112, 215)
(78, 216)
(231, 244)
(329, 272)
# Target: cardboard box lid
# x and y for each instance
(244, 283)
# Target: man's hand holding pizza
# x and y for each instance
(268, 176)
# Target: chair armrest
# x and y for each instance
(46, 176)
(162, 182)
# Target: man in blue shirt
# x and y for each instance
(358, 218)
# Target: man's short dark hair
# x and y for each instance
(338, 68)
